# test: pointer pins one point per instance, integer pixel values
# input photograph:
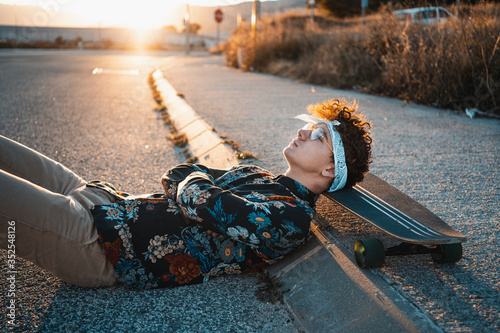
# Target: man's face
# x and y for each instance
(309, 155)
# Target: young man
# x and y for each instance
(207, 222)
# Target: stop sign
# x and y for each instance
(218, 16)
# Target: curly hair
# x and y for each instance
(354, 131)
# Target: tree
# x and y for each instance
(59, 40)
(193, 28)
(170, 28)
(343, 8)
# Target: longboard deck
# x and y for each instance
(395, 213)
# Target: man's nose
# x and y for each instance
(304, 134)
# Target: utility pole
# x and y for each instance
(364, 4)
(186, 23)
(15, 19)
(254, 21)
(312, 4)
(99, 33)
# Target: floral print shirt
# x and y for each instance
(207, 223)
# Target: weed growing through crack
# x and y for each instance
(241, 155)
(244, 155)
(178, 139)
(270, 292)
(232, 143)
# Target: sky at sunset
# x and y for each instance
(141, 14)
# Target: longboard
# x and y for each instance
(401, 217)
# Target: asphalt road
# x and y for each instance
(103, 126)
(441, 158)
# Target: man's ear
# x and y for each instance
(329, 172)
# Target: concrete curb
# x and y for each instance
(204, 143)
(328, 292)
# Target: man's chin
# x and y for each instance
(287, 151)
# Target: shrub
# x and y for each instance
(455, 64)
(452, 65)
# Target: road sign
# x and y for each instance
(218, 16)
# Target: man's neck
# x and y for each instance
(308, 181)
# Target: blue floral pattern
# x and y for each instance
(208, 222)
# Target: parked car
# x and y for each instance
(424, 15)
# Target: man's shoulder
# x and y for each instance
(245, 173)
(250, 169)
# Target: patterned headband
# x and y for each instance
(338, 150)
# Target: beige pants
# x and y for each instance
(48, 207)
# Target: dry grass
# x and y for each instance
(454, 65)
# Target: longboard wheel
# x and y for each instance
(369, 253)
(448, 253)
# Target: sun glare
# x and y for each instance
(148, 14)
(134, 14)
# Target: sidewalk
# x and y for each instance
(420, 150)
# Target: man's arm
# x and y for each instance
(272, 227)
(172, 178)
